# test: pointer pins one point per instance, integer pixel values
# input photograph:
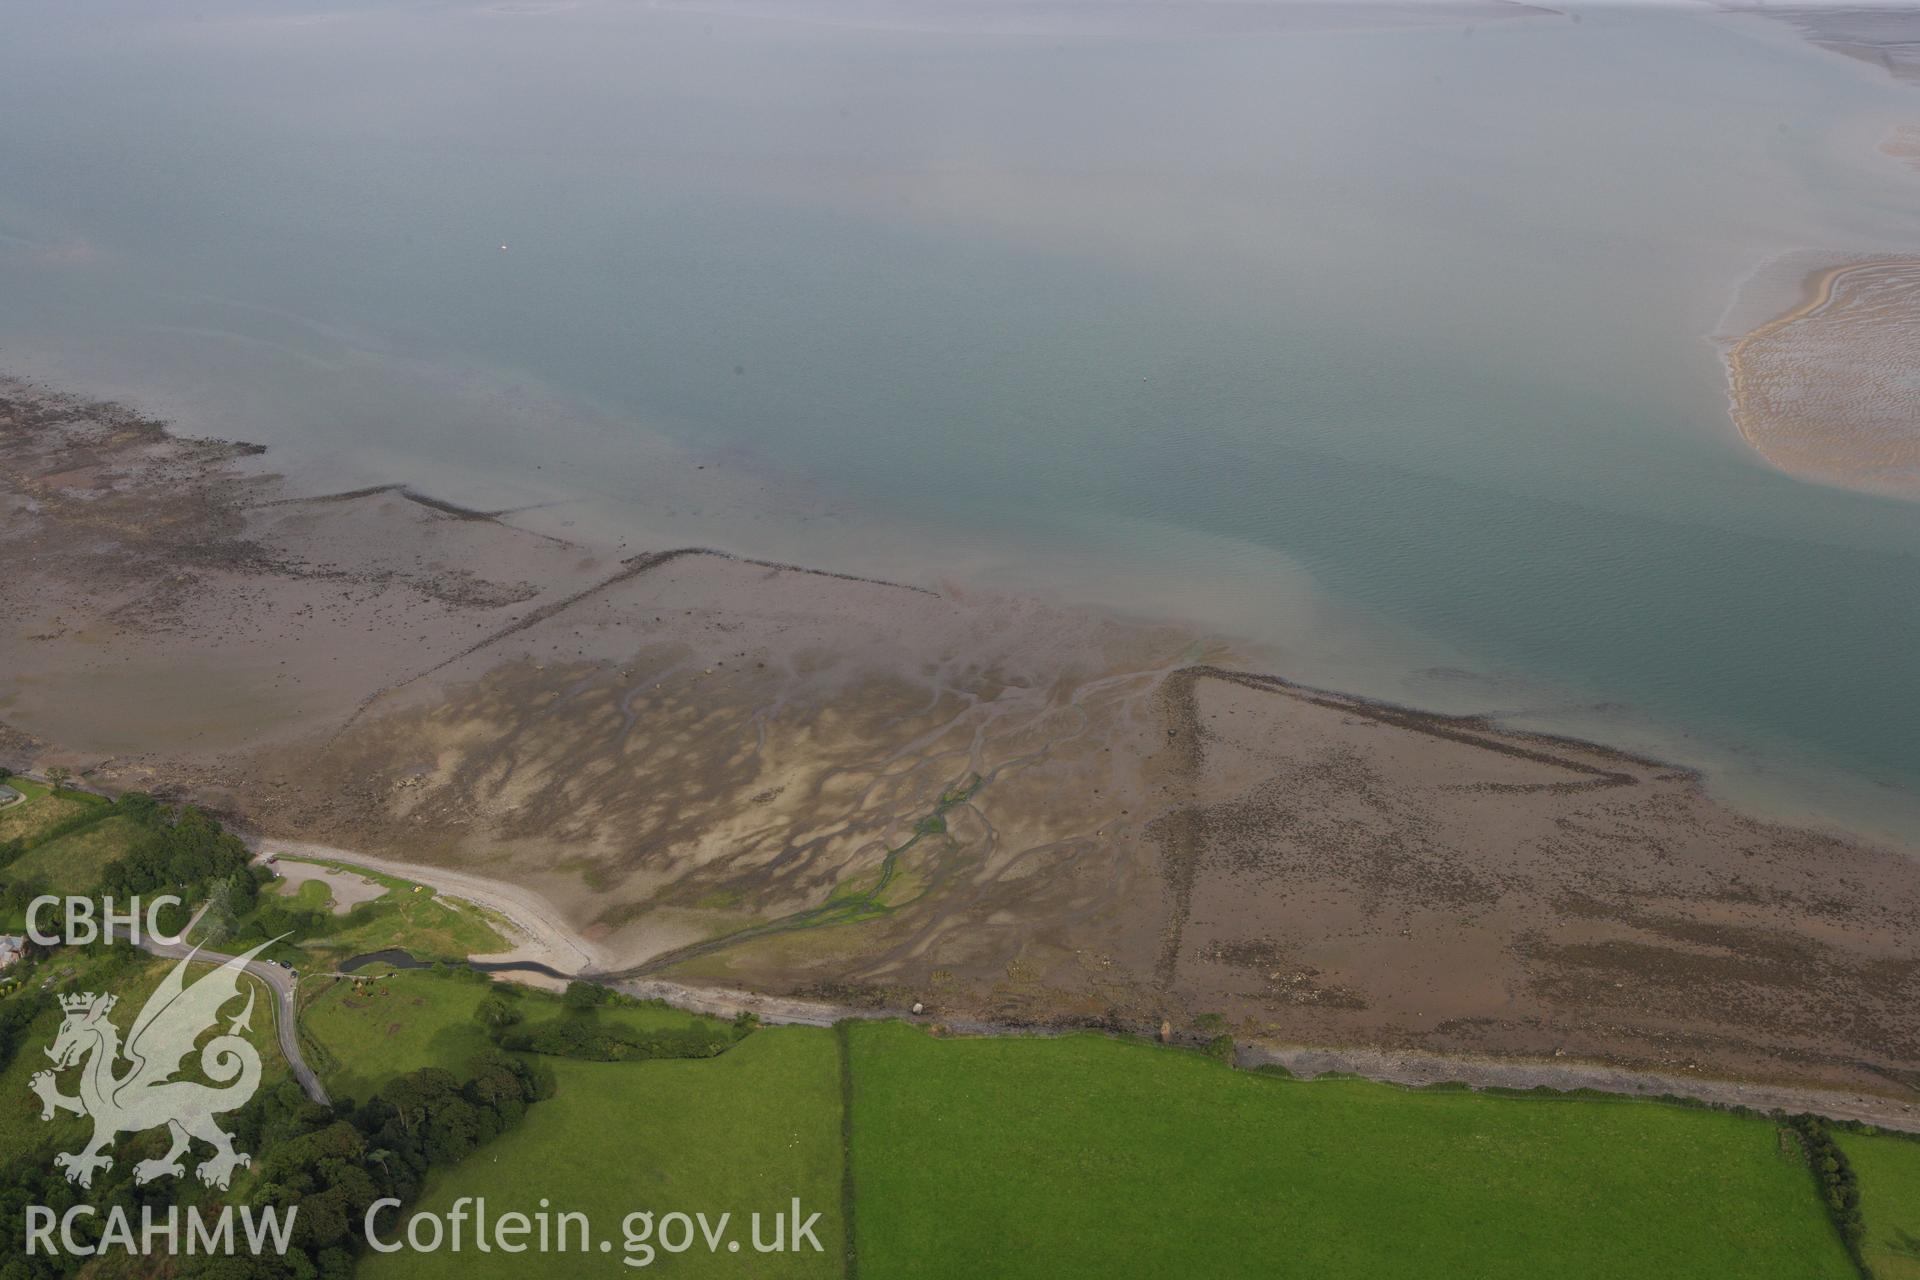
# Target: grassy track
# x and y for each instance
(1889, 1171)
(1088, 1156)
(747, 1131)
(27, 787)
(849, 1187)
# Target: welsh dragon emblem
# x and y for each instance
(143, 1095)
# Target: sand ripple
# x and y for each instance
(1904, 144)
(1830, 391)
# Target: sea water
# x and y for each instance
(1388, 349)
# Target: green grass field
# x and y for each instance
(310, 896)
(1889, 1171)
(1089, 1156)
(390, 1026)
(132, 980)
(1056, 1157)
(72, 863)
(27, 787)
(742, 1133)
(417, 1018)
(42, 809)
(1086, 1156)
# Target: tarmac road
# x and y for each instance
(281, 982)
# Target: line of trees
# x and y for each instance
(330, 1162)
(17, 1014)
(278, 916)
(175, 851)
(184, 852)
(1839, 1187)
(580, 1032)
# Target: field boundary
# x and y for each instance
(843, 1039)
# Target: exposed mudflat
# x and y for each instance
(1884, 35)
(1018, 813)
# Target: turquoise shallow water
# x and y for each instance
(1387, 348)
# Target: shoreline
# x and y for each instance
(1814, 291)
(670, 747)
(1809, 797)
(549, 939)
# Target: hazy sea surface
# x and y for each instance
(1388, 348)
